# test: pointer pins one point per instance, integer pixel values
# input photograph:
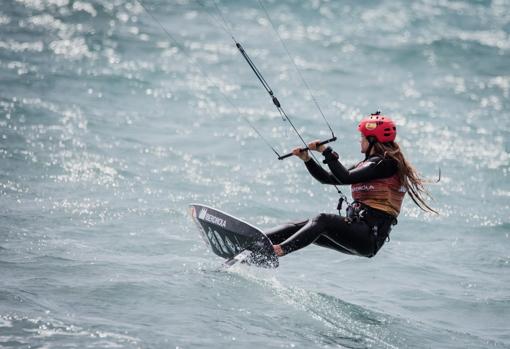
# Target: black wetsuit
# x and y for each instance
(363, 236)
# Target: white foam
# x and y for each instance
(16, 46)
(48, 329)
(4, 20)
(86, 7)
(5, 322)
(71, 48)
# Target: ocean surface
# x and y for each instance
(110, 127)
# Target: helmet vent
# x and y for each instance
(378, 127)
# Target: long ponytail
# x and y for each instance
(409, 177)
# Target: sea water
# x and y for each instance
(110, 127)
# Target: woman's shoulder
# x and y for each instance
(385, 162)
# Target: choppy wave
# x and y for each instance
(17, 331)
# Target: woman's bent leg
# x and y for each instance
(282, 232)
(324, 241)
(310, 232)
(347, 237)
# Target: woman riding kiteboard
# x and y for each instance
(378, 185)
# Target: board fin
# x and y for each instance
(241, 257)
(253, 255)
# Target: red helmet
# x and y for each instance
(378, 126)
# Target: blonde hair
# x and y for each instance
(409, 177)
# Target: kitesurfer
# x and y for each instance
(378, 185)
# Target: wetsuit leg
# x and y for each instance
(324, 241)
(283, 232)
(356, 237)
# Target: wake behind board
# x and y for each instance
(232, 238)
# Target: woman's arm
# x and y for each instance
(319, 173)
(374, 168)
(314, 168)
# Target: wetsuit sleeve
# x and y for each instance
(319, 173)
(374, 168)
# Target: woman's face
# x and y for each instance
(364, 144)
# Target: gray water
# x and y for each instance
(109, 129)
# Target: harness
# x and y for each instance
(379, 221)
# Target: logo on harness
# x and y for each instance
(363, 187)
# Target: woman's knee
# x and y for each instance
(322, 218)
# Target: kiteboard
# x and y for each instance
(233, 239)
